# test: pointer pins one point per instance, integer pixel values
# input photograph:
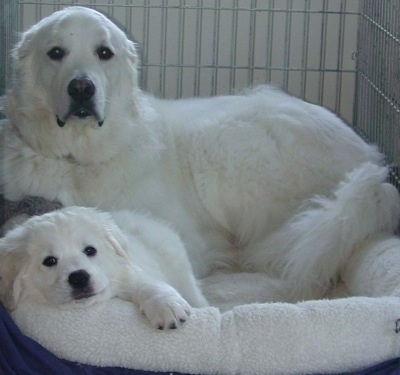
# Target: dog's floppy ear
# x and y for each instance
(133, 63)
(13, 262)
(26, 73)
(27, 39)
(23, 47)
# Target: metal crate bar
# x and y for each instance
(211, 47)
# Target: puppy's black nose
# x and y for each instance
(81, 90)
(78, 279)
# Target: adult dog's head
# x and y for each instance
(76, 71)
(71, 255)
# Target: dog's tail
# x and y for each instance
(322, 236)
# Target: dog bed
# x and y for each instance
(338, 335)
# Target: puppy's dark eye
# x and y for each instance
(90, 251)
(49, 261)
(104, 53)
(56, 53)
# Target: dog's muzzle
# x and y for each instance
(81, 91)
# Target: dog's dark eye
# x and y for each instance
(49, 261)
(56, 53)
(104, 53)
(90, 251)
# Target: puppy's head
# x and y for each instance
(71, 255)
(73, 68)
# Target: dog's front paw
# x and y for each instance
(166, 310)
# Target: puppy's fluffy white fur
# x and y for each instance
(259, 180)
(81, 255)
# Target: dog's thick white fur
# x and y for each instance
(259, 181)
(81, 255)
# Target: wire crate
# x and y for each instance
(377, 93)
(342, 54)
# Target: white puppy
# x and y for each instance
(259, 181)
(80, 255)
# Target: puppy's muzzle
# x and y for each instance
(81, 285)
(79, 279)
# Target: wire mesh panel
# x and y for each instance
(209, 47)
(309, 48)
(377, 109)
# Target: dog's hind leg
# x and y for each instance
(310, 249)
(374, 268)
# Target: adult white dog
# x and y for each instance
(259, 181)
(81, 255)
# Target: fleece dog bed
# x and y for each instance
(21, 355)
(311, 337)
(338, 335)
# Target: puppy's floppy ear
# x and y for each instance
(13, 262)
(113, 234)
(117, 240)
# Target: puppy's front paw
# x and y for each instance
(166, 310)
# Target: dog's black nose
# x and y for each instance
(78, 279)
(81, 90)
